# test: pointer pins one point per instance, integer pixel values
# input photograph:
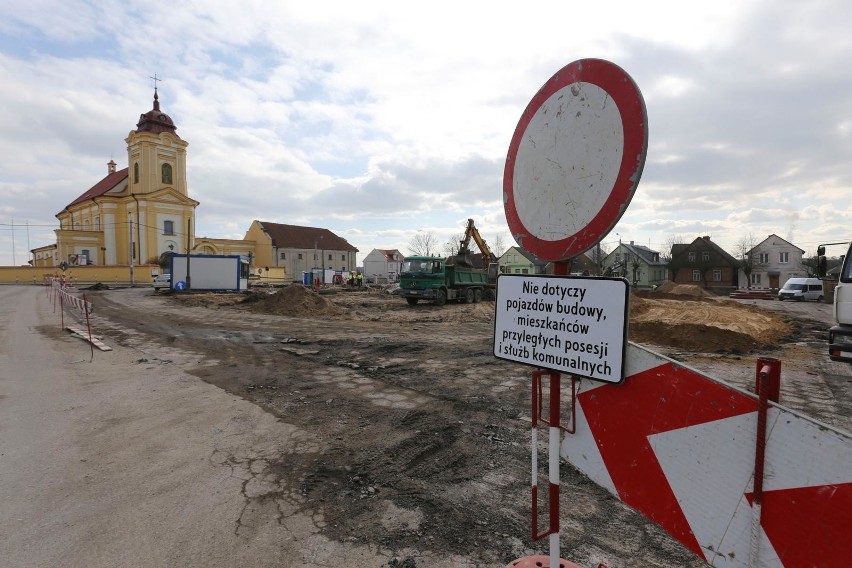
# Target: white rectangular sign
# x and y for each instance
(576, 325)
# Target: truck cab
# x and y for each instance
(840, 335)
(423, 278)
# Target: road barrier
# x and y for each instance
(736, 477)
(80, 308)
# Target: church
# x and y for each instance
(139, 214)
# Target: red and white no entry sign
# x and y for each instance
(575, 159)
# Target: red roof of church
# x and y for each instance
(109, 182)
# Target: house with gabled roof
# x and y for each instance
(300, 249)
(383, 265)
(517, 260)
(704, 263)
(640, 265)
(771, 263)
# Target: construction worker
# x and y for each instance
(360, 279)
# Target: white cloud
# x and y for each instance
(383, 120)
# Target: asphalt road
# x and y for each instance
(116, 462)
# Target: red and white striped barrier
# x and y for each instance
(59, 289)
(684, 449)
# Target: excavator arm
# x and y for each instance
(472, 233)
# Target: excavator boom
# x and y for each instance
(472, 233)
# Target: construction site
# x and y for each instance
(419, 443)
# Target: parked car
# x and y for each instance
(802, 289)
(162, 281)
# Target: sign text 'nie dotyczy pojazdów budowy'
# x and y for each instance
(570, 324)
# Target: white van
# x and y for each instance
(802, 289)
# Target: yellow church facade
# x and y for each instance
(137, 214)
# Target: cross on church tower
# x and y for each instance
(155, 81)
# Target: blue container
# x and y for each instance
(308, 278)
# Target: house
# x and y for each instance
(704, 263)
(383, 265)
(299, 249)
(640, 265)
(519, 261)
(771, 263)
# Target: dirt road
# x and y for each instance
(126, 461)
(390, 435)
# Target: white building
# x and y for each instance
(383, 265)
(773, 262)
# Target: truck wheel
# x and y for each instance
(440, 297)
(468, 296)
(477, 296)
(412, 301)
(821, 299)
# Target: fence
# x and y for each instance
(81, 308)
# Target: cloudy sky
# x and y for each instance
(379, 119)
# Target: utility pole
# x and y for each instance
(131, 249)
(188, 245)
(322, 263)
(13, 243)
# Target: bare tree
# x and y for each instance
(423, 244)
(811, 265)
(635, 264)
(453, 245)
(748, 259)
(598, 253)
(498, 247)
(671, 240)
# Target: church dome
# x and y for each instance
(155, 120)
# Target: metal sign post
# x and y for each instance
(574, 162)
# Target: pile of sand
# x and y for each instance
(294, 301)
(669, 287)
(704, 326)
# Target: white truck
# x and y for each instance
(205, 272)
(840, 335)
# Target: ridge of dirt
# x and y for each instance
(295, 301)
(675, 315)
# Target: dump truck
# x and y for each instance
(440, 280)
(460, 277)
(840, 335)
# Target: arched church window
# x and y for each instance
(168, 227)
(167, 173)
(136, 172)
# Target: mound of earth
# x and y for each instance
(295, 301)
(708, 326)
(669, 287)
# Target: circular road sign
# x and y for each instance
(575, 159)
(180, 285)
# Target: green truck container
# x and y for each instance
(440, 280)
